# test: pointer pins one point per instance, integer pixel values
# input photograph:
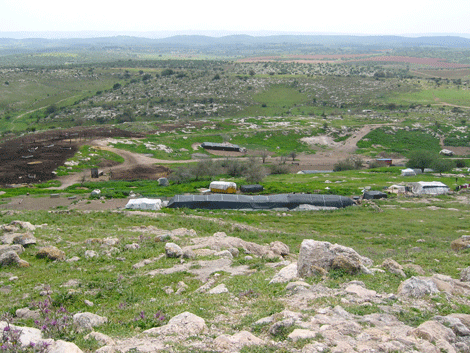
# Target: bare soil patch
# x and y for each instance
(33, 158)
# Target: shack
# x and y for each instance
(259, 202)
(223, 187)
(429, 188)
(225, 146)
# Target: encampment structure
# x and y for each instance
(144, 204)
(429, 188)
(223, 187)
(259, 202)
(225, 146)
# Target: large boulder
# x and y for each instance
(15, 247)
(322, 254)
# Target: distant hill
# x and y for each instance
(247, 40)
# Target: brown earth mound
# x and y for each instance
(32, 158)
(141, 172)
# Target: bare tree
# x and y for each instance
(292, 155)
(264, 154)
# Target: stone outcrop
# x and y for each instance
(183, 325)
(88, 320)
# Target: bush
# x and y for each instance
(348, 164)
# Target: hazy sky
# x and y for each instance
(241, 16)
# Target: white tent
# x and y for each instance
(144, 204)
(429, 188)
(408, 172)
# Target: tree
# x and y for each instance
(441, 165)
(116, 86)
(252, 72)
(254, 172)
(421, 159)
(292, 155)
(264, 154)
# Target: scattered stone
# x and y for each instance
(88, 303)
(234, 251)
(286, 274)
(189, 254)
(52, 253)
(433, 331)
(73, 259)
(221, 288)
(88, 320)
(415, 268)
(173, 250)
(181, 287)
(279, 327)
(394, 267)
(110, 241)
(89, 254)
(133, 246)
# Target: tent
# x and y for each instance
(144, 204)
(429, 188)
(258, 202)
(223, 187)
(408, 172)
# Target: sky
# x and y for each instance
(360, 17)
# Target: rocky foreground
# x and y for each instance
(316, 319)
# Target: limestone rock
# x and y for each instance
(26, 313)
(301, 334)
(394, 267)
(286, 274)
(24, 239)
(346, 264)
(9, 258)
(101, 338)
(224, 254)
(280, 326)
(461, 243)
(417, 287)
(321, 254)
(24, 225)
(360, 291)
(279, 248)
(221, 288)
(465, 274)
(15, 247)
(183, 325)
(64, 347)
(237, 341)
(88, 320)
(433, 331)
(173, 250)
(52, 253)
